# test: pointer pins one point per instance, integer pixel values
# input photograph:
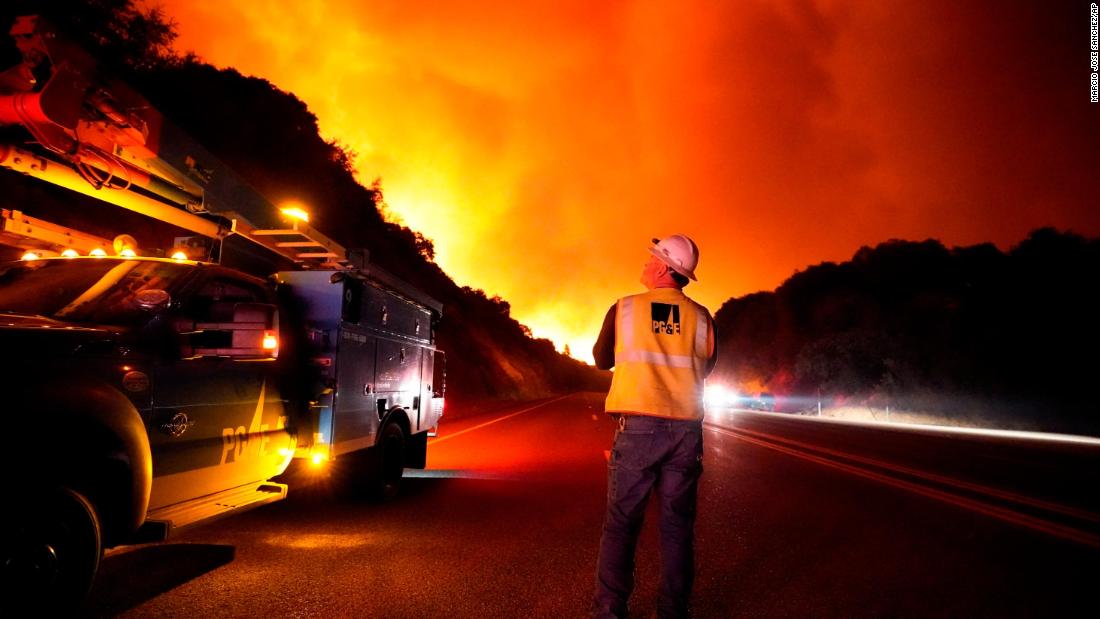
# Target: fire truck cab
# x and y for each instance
(145, 395)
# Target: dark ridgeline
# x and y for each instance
(271, 138)
(972, 334)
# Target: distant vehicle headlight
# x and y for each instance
(718, 396)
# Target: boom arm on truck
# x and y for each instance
(98, 137)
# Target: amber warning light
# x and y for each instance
(295, 212)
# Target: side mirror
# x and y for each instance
(252, 333)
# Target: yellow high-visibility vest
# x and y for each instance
(663, 340)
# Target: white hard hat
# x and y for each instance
(678, 252)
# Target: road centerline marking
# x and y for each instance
(995, 511)
(935, 478)
(440, 439)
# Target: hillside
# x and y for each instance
(271, 139)
(969, 335)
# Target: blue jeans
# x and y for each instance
(650, 452)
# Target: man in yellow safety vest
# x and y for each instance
(662, 346)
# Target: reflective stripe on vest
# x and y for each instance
(701, 335)
(625, 317)
(656, 358)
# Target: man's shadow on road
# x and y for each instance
(132, 577)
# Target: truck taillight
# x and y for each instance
(179, 255)
(30, 256)
(69, 253)
(271, 342)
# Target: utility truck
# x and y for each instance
(149, 389)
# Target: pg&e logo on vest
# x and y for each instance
(666, 318)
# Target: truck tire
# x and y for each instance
(416, 451)
(51, 551)
(387, 463)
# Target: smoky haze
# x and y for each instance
(541, 145)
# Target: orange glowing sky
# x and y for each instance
(540, 145)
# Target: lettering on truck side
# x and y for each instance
(248, 443)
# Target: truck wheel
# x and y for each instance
(51, 551)
(388, 463)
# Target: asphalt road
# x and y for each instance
(797, 519)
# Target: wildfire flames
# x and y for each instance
(541, 145)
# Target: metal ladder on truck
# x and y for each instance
(100, 138)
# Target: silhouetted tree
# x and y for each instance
(917, 322)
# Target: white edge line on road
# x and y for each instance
(1005, 514)
(1020, 435)
(440, 439)
(988, 491)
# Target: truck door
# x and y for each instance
(217, 421)
(432, 377)
(355, 416)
